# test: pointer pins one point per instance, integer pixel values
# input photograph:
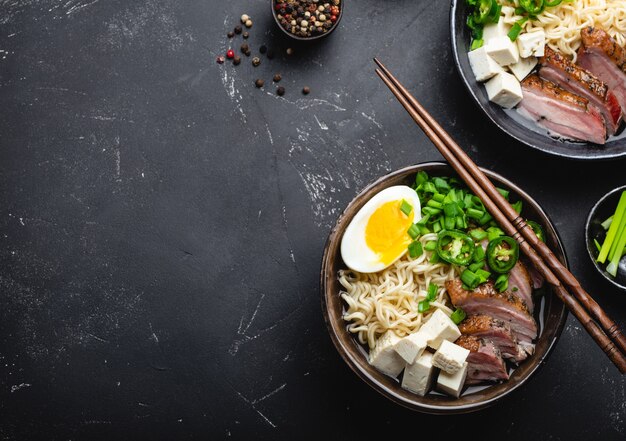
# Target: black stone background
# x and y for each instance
(162, 223)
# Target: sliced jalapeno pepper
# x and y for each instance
(533, 7)
(484, 12)
(537, 229)
(455, 247)
(502, 254)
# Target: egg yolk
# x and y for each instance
(386, 231)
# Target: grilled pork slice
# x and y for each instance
(484, 362)
(601, 55)
(520, 285)
(561, 71)
(498, 332)
(562, 113)
(487, 300)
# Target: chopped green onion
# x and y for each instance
(451, 209)
(434, 204)
(439, 197)
(441, 184)
(449, 223)
(470, 279)
(493, 232)
(502, 282)
(486, 218)
(476, 266)
(420, 178)
(479, 254)
(474, 213)
(434, 258)
(428, 187)
(478, 234)
(437, 227)
(423, 229)
(413, 231)
(552, 3)
(431, 211)
(517, 206)
(415, 249)
(405, 207)
(515, 31)
(484, 275)
(503, 192)
(423, 306)
(431, 245)
(458, 316)
(431, 293)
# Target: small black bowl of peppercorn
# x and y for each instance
(307, 19)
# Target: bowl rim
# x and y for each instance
(355, 364)
(597, 155)
(317, 37)
(590, 215)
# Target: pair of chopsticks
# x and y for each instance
(595, 320)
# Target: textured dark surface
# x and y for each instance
(162, 223)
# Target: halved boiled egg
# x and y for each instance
(377, 235)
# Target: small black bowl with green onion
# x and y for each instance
(605, 234)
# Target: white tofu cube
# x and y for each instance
(418, 377)
(440, 327)
(450, 357)
(384, 358)
(523, 67)
(411, 346)
(503, 50)
(483, 66)
(452, 384)
(504, 90)
(532, 44)
(495, 30)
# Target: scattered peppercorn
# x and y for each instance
(256, 61)
(307, 18)
(259, 83)
(248, 23)
(231, 34)
(277, 78)
(238, 29)
(220, 60)
(245, 18)
(280, 90)
(289, 51)
(245, 35)
(245, 48)
(230, 54)
(263, 49)
(306, 90)
(236, 60)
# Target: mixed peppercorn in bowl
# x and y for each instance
(307, 19)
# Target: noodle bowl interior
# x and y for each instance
(456, 308)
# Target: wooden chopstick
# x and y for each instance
(607, 335)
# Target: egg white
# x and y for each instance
(354, 250)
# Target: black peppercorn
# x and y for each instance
(277, 78)
(263, 49)
(256, 61)
(238, 29)
(280, 90)
(259, 83)
(245, 48)
(245, 35)
(236, 60)
(231, 34)
(306, 90)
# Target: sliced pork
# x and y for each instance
(520, 285)
(484, 362)
(498, 332)
(569, 76)
(601, 55)
(504, 306)
(562, 113)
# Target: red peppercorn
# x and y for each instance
(277, 6)
(334, 10)
(230, 54)
(333, 18)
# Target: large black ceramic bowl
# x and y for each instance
(550, 312)
(509, 120)
(601, 211)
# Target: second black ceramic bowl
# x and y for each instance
(510, 121)
(600, 212)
